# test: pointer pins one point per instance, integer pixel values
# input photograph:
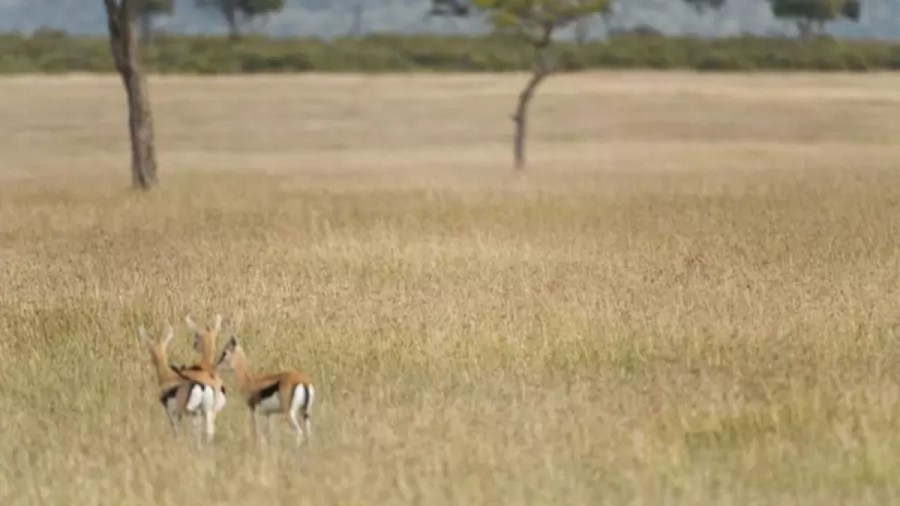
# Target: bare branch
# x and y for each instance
(546, 35)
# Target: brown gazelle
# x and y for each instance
(205, 345)
(286, 392)
(181, 392)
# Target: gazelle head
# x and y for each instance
(205, 339)
(157, 347)
(227, 357)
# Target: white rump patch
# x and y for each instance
(300, 398)
(312, 398)
(220, 400)
(209, 398)
(195, 399)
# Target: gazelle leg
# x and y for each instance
(173, 422)
(296, 424)
(307, 426)
(254, 423)
(272, 428)
(210, 416)
(221, 401)
(195, 423)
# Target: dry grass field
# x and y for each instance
(692, 298)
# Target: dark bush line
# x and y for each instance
(52, 52)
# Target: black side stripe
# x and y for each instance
(191, 382)
(168, 394)
(180, 369)
(269, 391)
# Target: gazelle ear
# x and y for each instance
(170, 333)
(226, 349)
(218, 324)
(190, 323)
(145, 337)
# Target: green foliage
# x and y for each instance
(701, 5)
(156, 6)
(450, 7)
(852, 9)
(252, 8)
(248, 8)
(536, 19)
(816, 11)
(236, 11)
(465, 7)
(57, 52)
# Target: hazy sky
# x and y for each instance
(321, 18)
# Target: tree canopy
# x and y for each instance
(702, 5)
(450, 7)
(814, 14)
(149, 9)
(250, 8)
(233, 11)
(527, 15)
(155, 7)
(536, 19)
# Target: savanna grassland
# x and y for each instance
(692, 298)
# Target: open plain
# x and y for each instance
(691, 297)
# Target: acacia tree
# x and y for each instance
(234, 11)
(811, 16)
(121, 19)
(150, 9)
(450, 7)
(536, 22)
(702, 5)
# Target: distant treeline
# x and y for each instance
(50, 52)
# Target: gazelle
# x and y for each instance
(205, 345)
(181, 392)
(286, 392)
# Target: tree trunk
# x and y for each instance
(140, 122)
(820, 28)
(582, 31)
(542, 69)
(520, 118)
(356, 29)
(124, 44)
(146, 27)
(805, 27)
(229, 10)
(608, 17)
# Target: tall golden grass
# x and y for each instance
(692, 298)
